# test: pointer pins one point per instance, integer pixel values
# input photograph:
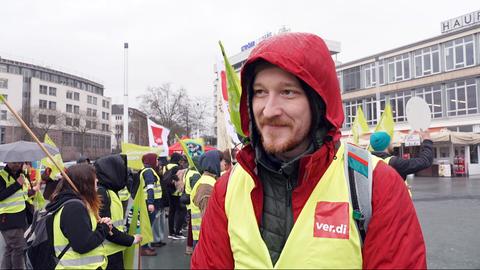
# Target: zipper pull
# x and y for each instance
(289, 193)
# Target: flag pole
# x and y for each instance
(20, 120)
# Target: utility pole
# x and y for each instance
(125, 94)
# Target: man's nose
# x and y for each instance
(272, 107)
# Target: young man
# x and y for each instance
(380, 141)
(286, 204)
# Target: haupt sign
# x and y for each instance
(463, 21)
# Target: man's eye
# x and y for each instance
(259, 92)
(289, 93)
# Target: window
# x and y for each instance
(474, 153)
(459, 53)
(42, 104)
(370, 110)
(3, 68)
(89, 99)
(77, 140)
(105, 116)
(52, 119)
(370, 75)
(94, 113)
(427, 61)
(3, 83)
(52, 91)
(52, 105)
(43, 89)
(69, 121)
(94, 125)
(2, 135)
(76, 96)
(351, 79)
(42, 118)
(105, 104)
(3, 115)
(69, 108)
(76, 122)
(76, 109)
(89, 112)
(118, 117)
(398, 102)
(67, 138)
(462, 98)
(351, 111)
(13, 69)
(105, 127)
(398, 68)
(94, 101)
(88, 124)
(433, 96)
(69, 95)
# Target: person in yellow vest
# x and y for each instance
(202, 189)
(287, 202)
(78, 230)
(112, 174)
(176, 210)
(382, 146)
(153, 191)
(12, 215)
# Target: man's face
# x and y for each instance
(281, 111)
(15, 166)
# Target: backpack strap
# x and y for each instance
(360, 167)
(65, 249)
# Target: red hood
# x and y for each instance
(305, 56)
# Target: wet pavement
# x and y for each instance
(448, 209)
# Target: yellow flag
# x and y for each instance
(386, 122)
(58, 158)
(135, 152)
(139, 208)
(359, 126)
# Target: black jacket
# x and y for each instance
(405, 167)
(15, 220)
(76, 225)
(112, 174)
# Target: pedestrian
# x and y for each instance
(226, 163)
(382, 146)
(112, 175)
(177, 211)
(287, 203)
(13, 215)
(202, 189)
(158, 224)
(78, 231)
(50, 183)
(152, 191)
(83, 159)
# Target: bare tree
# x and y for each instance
(42, 120)
(197, 115)
(166, 106)
(82, 123)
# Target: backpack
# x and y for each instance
(40, 253)
(360, 176)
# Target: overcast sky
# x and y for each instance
(177, 41)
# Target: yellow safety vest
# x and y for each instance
(116, 212)
(16, 202)
(157, 188)
(195, 210)
(26, 187)
(323, 236)
(71, 259)
(123, 194)
(186, 180)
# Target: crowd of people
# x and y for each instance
(293, 200)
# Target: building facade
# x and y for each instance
(71, 109)
(137, 127)
(443, 70)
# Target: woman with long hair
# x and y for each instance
(78, 231)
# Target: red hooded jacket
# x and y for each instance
(394, 238)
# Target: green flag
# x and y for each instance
(234, 91)
(139, 208)
(185, 150)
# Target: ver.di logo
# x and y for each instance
(331, 220)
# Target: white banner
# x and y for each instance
(158, 136)
(224, 96)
